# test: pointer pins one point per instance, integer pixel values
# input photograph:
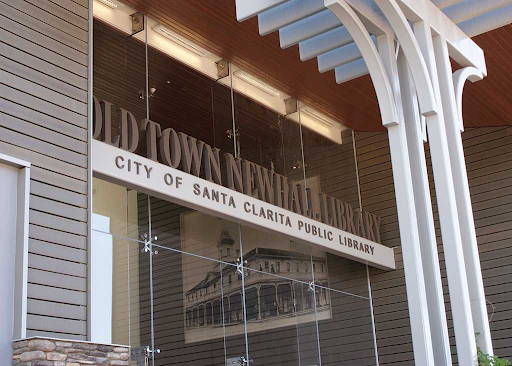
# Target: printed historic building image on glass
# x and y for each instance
(278, 277)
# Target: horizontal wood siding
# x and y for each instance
(43, 119)
(489, 166)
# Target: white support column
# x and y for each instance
(450, 229)
(425, 218)
(415, 284)
(411, 251)
(463, 199)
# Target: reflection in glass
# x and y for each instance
(350, 327)
(330, 167)
(120, 271)
(190, 103)
(116, 211)
(119, 74)
(281, 329)
(198, 293)
(211, 273)
(129, 288)
(347, 338)
(281, 312)
(197, 290)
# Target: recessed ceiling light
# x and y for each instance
(112, 3)
(329, 122)
(256, 83)
(181, 41)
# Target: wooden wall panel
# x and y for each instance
(43, 119)
(489, 166)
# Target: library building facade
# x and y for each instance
(268, 182)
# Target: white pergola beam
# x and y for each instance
(462, 49)
(377, 24)
(350, 71)
(463, 199)
(287, 13)
(459, 78)
(340, 56)
(447, 207)
(323, 43)
(246, 9)
(487, 22)
(385, 97)
(307, 28)
(469, 9)
(441, 4)
(407, 217)
(409, 45)
(425, 218)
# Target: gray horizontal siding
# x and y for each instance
(43, 119)
(489, 166)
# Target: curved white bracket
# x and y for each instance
(417, 65)
(459, 79)
(364, 42)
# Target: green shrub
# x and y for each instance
(485, 360)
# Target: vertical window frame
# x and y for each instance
(22, 228)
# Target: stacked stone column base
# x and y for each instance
(53, 352)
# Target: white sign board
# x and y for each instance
(164, 182)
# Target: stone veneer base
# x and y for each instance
(41, 351)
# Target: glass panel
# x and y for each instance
(330, 168)
(191, 308)
(120, 215)
(189, 102)
(346, 338)
(198, 308)
(119, 76)
(130, 297)
(281, 310)
(119, 211)
(268, 139)
(199, 312)
(121, 271)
